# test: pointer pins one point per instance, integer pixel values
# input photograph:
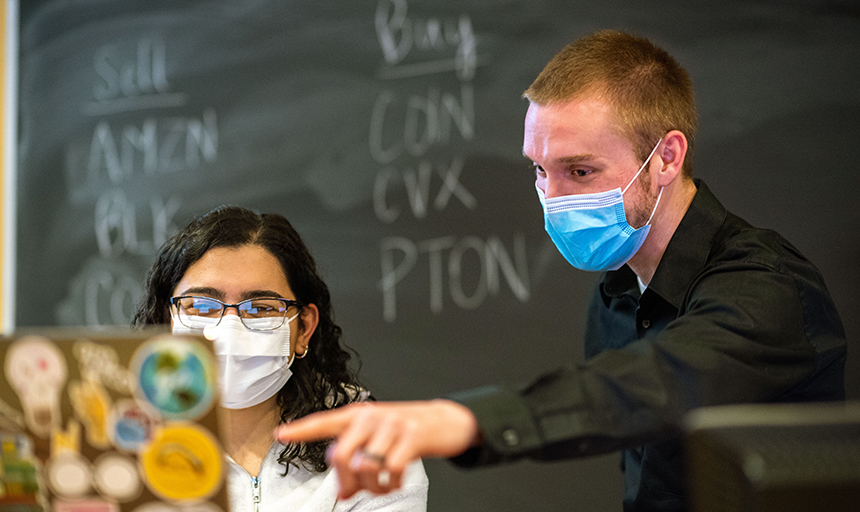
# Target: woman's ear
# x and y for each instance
(309, 318)
(672, 156)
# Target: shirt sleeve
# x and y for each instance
(741, 337)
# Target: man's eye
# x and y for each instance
(539, 170)
(581, 172)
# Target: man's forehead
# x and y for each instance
(572, 127)
(573, 110)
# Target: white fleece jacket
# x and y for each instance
(305, 491)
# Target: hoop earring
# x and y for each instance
(303, 354)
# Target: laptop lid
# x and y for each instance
(109, 421)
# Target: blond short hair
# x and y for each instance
(648, 90)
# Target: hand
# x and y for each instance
(377, 441)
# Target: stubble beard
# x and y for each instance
(644, 201)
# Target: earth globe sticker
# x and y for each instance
(176, 376)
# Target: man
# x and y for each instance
(695, 308)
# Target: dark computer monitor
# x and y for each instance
(774, 458)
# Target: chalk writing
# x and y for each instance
(399, 256)
(417, 184)
(399, 34)
(118, 290)
(116, 224)
(426, 122)
(122, 156)
(403, 130)
(157, 145)
(132, 82)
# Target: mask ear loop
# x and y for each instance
(655, 206)
(643, 166)
(637, 175)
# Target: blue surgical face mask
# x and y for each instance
(591, 230)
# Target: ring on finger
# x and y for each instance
(384, 478)
(374, 457)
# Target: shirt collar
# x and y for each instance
(685, 256)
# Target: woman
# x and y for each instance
(248, 283)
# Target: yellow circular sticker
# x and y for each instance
(183, 462)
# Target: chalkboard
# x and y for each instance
(389, 132)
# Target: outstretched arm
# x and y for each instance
(375, 442)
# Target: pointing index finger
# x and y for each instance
(315, 427)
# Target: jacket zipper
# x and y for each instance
(255, 482)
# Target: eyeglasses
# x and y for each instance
(265, 314)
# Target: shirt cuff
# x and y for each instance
(507, 425)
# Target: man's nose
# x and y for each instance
(550, 188)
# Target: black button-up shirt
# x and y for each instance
(733, 314)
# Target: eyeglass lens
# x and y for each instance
(256, 314)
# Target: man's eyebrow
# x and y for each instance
(575, 159)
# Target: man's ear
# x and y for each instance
(671, 154)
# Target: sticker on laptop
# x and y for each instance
(176, 376)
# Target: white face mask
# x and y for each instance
(252, 365)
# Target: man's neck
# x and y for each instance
(676, 201)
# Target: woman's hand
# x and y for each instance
(375, 442)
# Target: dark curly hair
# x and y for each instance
(321, 380)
